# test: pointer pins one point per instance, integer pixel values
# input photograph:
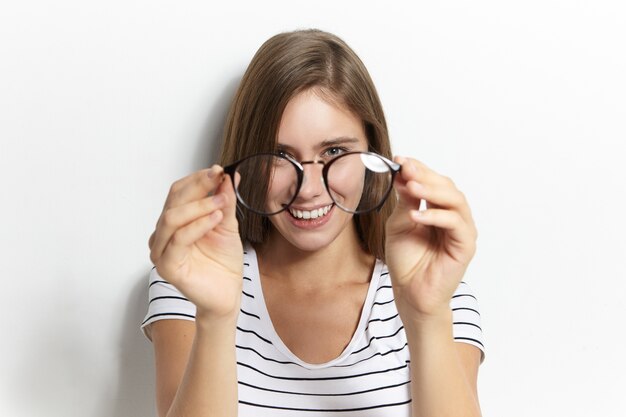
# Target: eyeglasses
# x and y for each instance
(357, 182)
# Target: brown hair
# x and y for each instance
(284, 66)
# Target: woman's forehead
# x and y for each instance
(309, 121)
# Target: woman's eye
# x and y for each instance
(334, 151)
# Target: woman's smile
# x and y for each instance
(306, 214)
(310, 219)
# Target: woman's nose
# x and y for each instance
(313, 182)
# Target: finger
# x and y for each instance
(194, 187)
(414, 170)
(174, 218)
(407, 200)
(229, 208)
(438, 196)
(460, 232)
(422, 183)
(179, 245)
(151, 240)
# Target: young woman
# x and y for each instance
(301, 279)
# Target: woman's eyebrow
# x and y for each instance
(342, 140)
(286, 148)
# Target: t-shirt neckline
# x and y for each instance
(268, 327)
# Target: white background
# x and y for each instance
(103, 105)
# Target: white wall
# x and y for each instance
(103, 105)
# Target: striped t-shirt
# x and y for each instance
(370, 378)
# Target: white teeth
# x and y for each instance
(313, 214)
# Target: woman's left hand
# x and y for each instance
(428, 251)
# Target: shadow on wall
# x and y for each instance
(62, 369)
(136, 385)
(210, 140)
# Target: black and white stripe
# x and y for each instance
(370, 378)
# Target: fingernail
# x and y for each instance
(212, 171)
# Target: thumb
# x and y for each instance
(400, 220)
(229, 209)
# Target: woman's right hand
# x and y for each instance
(196, 245)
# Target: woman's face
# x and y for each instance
(313, 129)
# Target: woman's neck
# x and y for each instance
(343, 260)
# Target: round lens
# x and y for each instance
(267, 183)
(359, 182)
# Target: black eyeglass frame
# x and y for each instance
(299, 167)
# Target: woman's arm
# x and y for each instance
(444, 373)
(196, 371)
(172, 340)
(428, 253)
(197, 249)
